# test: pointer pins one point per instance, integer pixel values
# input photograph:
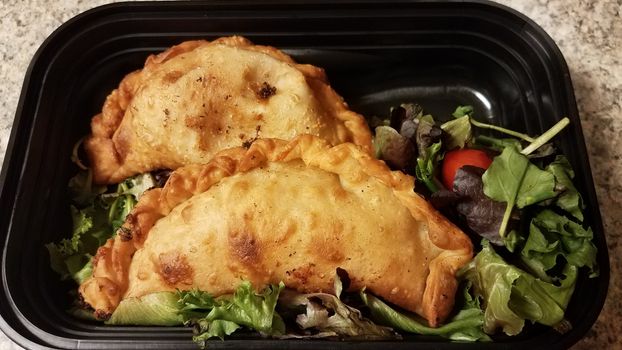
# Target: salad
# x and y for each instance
(511, 192)
(514, 195)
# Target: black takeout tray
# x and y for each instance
(440, 54)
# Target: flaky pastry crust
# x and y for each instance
(200, 97)
(285, 211)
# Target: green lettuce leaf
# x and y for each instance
(569, 200)
(513, 179)
(96, 216)
(218, 317)
(462, 111)
(255, 311)
(552, 235)
(82, 223)
(205, 330)
(537, 185)
(118, 208)
(502, 180)
(195, 304)
(466, 325)
(428, 139)
(123, 200)
(513, 241)
(427, 163)
(458, 132)
(212, 317)
(155, 309)
(533, 298)
(71, 256)
(511, 295)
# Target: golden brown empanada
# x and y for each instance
(200, 97)
(285, 211)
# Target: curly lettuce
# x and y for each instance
(96, 216)
(218, 317)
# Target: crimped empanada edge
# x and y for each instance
(110, 279)
(106, 156)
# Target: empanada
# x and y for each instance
(284, 211)
(200, 97)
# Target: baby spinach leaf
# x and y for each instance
(552, 235)
(537, 185)
(538, 254)
(503, 179)
(569, 200)
(537, 300)
(512, 179)
(511, 295)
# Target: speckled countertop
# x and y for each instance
(589, 33)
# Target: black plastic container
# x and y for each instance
(375, 54)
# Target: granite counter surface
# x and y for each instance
(588, 32)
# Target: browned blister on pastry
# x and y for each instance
(286, 211)
(200, 97)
